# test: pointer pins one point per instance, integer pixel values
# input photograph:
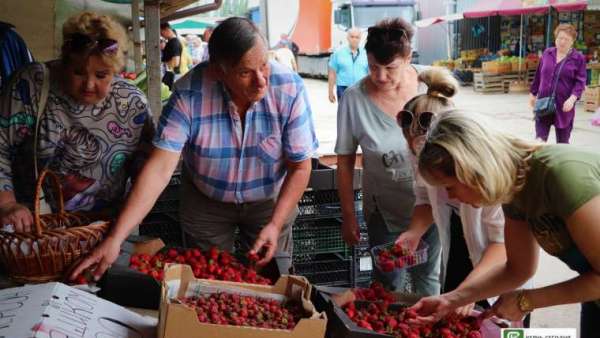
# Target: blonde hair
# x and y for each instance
(96, 27)
(492, 163)
(567, 29)
(441, 86)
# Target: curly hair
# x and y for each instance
(96, 27)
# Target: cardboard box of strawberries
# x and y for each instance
(196, 308)
(134, 279)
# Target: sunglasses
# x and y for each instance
(406, 121)
(78, 43)
(393, 33)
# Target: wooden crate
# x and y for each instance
(590, 106)
(530, 75)
(495, 67)
(487, 83)
(591, 95)
(518, 86)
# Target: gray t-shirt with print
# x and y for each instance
(387, 173)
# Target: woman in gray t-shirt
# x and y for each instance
(367, 117)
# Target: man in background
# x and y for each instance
(171, 55)
(347, 65)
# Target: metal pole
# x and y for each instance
(137, 43)
(152, 34)
(520, 43)
(488, 33)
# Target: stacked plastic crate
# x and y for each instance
(320, 253)
(163, 219)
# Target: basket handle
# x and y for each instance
(38, 191)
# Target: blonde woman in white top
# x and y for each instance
(472, 238)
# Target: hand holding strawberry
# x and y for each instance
(267, 239)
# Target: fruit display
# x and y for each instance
(395, 256)
(375, 292)
(212, 264)
(239, 310)
(382, 318)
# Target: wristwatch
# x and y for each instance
(523, 302)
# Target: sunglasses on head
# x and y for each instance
(393, 33)
(406, 120)
(83, 43)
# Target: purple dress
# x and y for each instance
(571, 82)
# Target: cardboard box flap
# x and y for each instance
(150, 246)
(61, 310)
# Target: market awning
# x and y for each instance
(485, 8)
(438, 19)
(569, 6)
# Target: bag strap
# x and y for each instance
(558, 74)
(40, 111)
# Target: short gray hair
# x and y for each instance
(231, 39)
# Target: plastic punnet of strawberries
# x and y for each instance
(212, 264)
(380, 318)
(395, 257)
(238, 310)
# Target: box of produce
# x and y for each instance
(134, 279)
(194, 308)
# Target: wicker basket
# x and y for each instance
(56, 243)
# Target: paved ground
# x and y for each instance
(509, 112)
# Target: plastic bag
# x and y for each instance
(595, 120)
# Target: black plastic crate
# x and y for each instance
(318, 236)
(323, 203)
(323, 177)
(164, 226)
(326, 269)
(165, 206)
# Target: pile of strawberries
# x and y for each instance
(211, 264)
(231, 309)
(395, 257)
(380, 318)
(375, 292)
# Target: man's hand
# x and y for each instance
(100, 259)
(331, 96)
(267, 239)
(18, 215)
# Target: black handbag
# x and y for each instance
(545, 106)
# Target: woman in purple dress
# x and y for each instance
(570, 85)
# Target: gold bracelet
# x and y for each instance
(524, 302)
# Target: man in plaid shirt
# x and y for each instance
(244, 127)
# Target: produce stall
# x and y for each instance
(173, 287)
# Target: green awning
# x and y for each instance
(191, 24)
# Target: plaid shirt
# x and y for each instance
(227, 163)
